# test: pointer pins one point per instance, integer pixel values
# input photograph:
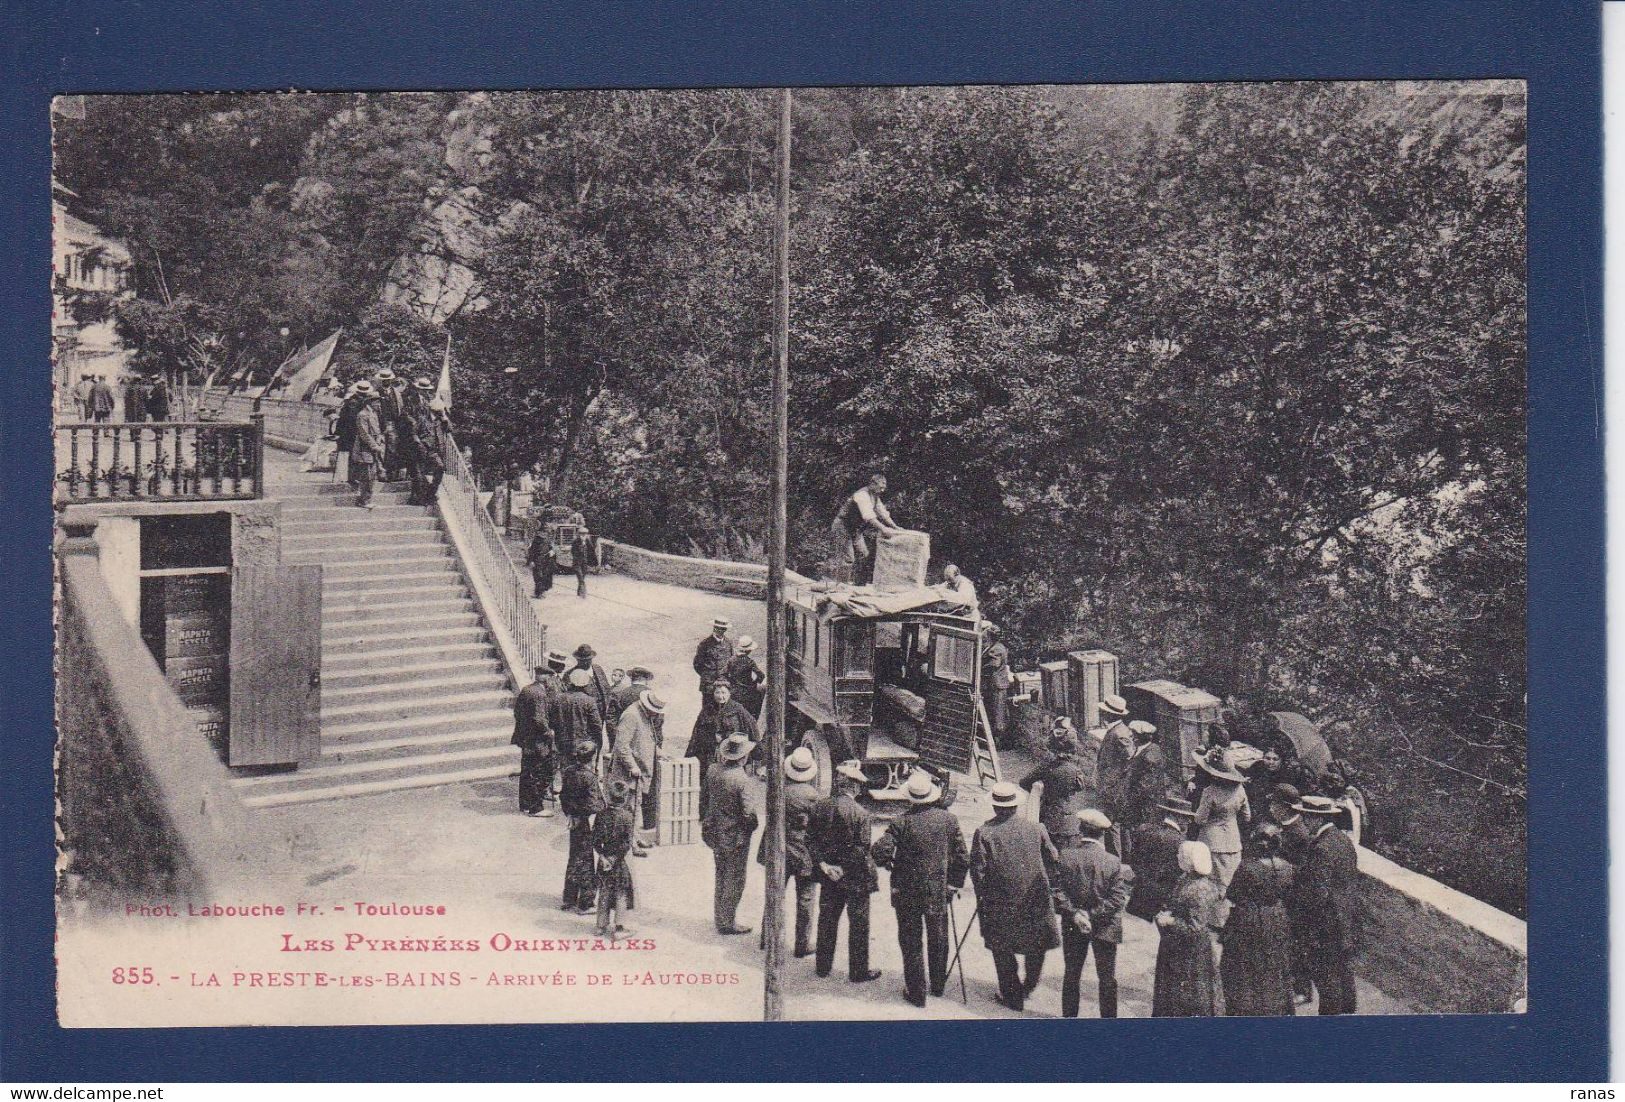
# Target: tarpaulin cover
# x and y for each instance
(869, 603)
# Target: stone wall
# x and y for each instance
(733, 579)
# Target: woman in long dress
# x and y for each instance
(1257, 963)
(1187, 977)
(1222, 812)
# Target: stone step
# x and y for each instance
(360, 520)
(374, 642)
(348, 587)
(345, 632)
(372, 670)
(423, 705)
(314, 512)
(406, 562)
(329, 488)
(338, 699)
(430, 774)
(384, 612)
(388, 747)
(485, 719)
(345, 664)
(335, 545)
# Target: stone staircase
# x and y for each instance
(413, 691)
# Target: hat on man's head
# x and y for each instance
(1177, 805)
(422, 383)
(722, 622)
(1092, 818)
(1141, 727)
(640, 673)
(1005, 794)
(556, 661)
(1113, 705)
(735, 748)
(580, 678)
(652, 703)
(1285, 794)
(1316, 805)
(362, 386)
(385, 374)
(746, 644)
(800, 765)
(852, 771)
(585, 651)
(1196, 857)
(584, 748)
(922, 788)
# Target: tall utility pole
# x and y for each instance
(773, 916)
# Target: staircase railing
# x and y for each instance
(503, 589)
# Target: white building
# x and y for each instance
(84, 259)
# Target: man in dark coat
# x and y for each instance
(534, 738)
(581, 559)
(800, 797)
(1011, 860)
(344, 429)
(100, 402)
(598, 687)
(581, 798)
(727, 827)
(573, 714)
(1325, 889)
(1066, 790)
(1156, 855)
(391, 412)
(1283, 801)
(746, 679)
(1091, 890)
(838, 839)
(719, 720)
(158, 399)
(626, 694)
(1144, 781)
(712, 656)
(926, 855)
(543, 559)
(135, 400)
(1111, 760)
(368, 450)
(423, 442)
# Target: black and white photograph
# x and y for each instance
(830, 553)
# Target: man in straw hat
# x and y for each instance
(712, 656)
(1156, 857)
(1010, 863)
(1091, 890)
(1116, 747)
(800, 797)
(368, 451)
(727, 827)
(423, 442)
(838, 838)
(1145, 776)
(926, 855)
(534, 737)
(391, 411)
(634, 753)
(1325, 899)
(746, 679)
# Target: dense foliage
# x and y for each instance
(1233, 386)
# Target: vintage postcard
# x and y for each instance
(1152, 627)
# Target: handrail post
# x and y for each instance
(257, 419)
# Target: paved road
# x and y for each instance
(468, 847)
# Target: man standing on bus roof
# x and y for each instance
(863, 515)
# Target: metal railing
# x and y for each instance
(168, 460)
(508, 585)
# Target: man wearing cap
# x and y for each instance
(1066, 791)
(581, 798)
(727, 826)
(423, 442)
(1156, 858)
(1325, 900)
(581, 558)
(534, 738)
(1111, 761)
(996, 682)
(1011, 860)
(1091, 890)
(367, 453)
(712, 656)
(599, 687)
(1144, 779)
(745, 678)
(573, 714)
(800, 797)
(639, 679)
(925, 852)
(637, 743)
(613, 837)
(838, 839)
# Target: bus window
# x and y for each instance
(855, 649)
(953, 658)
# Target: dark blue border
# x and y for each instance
(85, 46)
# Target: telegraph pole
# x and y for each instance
(773, 916)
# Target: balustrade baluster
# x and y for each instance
(113, 467)
(175, 479)
(136, 489)
(95, 460)
(73, 462)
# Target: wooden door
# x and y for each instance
(953, 678)
(276, 655)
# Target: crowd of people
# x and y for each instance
(145, 399)
(387, 430)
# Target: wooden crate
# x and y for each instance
(1093, 675)
(678, 823)
(1056, 680)
(1182, 715)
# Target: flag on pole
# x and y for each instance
(442, 393)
